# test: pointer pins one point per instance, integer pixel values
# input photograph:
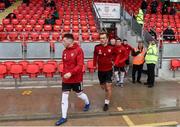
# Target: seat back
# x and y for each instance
(33, 70)
(16, 70)
(49, 69)
(3, 70)
(175, 63)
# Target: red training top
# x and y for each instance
(73, 60)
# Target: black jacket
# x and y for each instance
(144, 5)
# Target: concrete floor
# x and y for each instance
(155, 119)
(137, 102)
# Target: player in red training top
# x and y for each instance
(128, 50)
(120, 57)
(103, 60)
(72, 76)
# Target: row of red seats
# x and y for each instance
(35, 68)
(46, 36)
(56, 28)
(76, 21)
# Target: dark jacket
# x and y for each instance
(144, 5)
(153, 33)
(168, 34)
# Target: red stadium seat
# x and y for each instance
(9, 28)
(75, 22)
(85, 36)
(8, 65)
(49, 69)
(24, 64)
(15, 21)
(24, 36)
(6, 21)
(55, 36)
(1, 28)
(95, 36)
(3, 70)
(66, 29)
(47, 27)
(93, 29)
(19, 16)
(36, 16)
(75, 28)
(92, 23)
(54, 62)
(58, 22)
(76, 36)
(19, 28)
(175, 64)
(45, 36)
(16, 70)
(3, 36)
(34, 36)
(38, 28)
(41, 21)
(32, 70)
(28, 28)
(23, 22)
(67, 22)
(32, 22)
(13, 36)
(83, 23)
(39, 63)
(57, 28)
(84, 28)
(27, 17)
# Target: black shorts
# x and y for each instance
(127, 61)
(77, 87)
(119, 69)
(105, 77)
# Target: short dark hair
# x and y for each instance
(102, 33)
(69, 36)
(118, 39)
(124, 40)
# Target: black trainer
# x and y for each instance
(139, 82)
(105, 108)
(146, 83)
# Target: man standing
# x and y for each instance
(154, 5)
(103, 60)
(151, 59)
(138, 61)
(144, 6)
(72, 76)
(128, 51)
(120, 57)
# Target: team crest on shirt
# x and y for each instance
(64, 56)
(100, 52)
(72, 54)
(109, 50)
